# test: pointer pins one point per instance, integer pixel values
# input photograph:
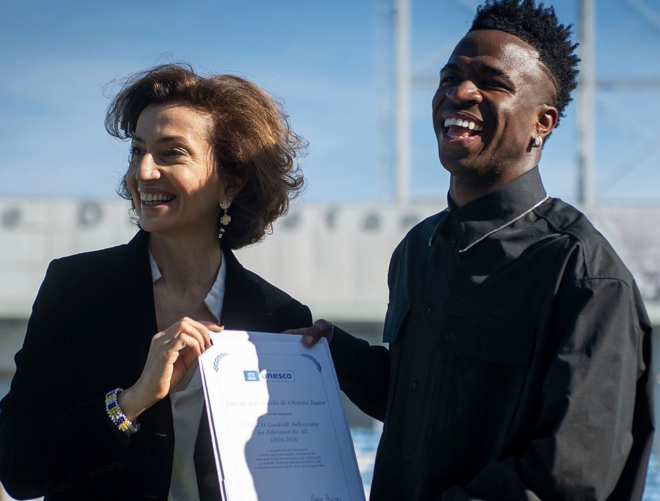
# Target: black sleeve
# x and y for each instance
(363, 372)
(49, 439)
(593, 436)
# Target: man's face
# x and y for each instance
(487, 105)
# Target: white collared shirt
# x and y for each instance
(187, 404)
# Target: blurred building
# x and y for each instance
(333, 258)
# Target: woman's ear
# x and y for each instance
(233, 187)
(230, 187)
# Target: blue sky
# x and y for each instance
(329, 61)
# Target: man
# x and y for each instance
(519, 351)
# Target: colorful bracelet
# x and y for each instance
(115, 413)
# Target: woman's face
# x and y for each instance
(172, 177)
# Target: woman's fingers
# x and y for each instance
(172, 353)
(211, 327)
(193, 330)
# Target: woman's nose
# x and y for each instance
(147, 169)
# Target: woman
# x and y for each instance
(212, 165)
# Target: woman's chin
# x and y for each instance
(156, 227)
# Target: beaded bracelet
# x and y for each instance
(115, 413)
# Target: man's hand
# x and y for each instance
(311, 335)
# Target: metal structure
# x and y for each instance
(586, 91)
(402, 99)
(586, 94)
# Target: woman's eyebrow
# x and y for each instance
(164, 139)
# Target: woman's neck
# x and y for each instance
(186, 263)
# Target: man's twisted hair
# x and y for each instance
(540, 28)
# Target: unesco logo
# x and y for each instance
(266, 375)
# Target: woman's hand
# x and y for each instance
(172, 353)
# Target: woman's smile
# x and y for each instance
(151, 199)
(173, 178)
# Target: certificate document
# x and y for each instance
(277, 420)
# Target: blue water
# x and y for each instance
(366, 443)
(652, 490)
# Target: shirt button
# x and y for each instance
(414, 385)
(453, 244)
(407, 458)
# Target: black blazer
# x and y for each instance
(89, 333)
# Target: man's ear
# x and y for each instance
(548, 116)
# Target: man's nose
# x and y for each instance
(465, 91)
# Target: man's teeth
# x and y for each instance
(155, 197)
(463, 123)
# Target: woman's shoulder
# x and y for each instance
(280, 305)
(91, 258)
(272, 292)
(247, 287)
(98, 266)
(86, 263)
(274, 296)
(245, 281)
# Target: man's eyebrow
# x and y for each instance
(449, 66)
(491, 70)
(495, 71)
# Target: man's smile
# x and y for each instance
(460, 127)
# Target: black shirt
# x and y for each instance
(519, 359)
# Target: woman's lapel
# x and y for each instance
(244, 305)
(141, 322)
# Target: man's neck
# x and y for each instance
(465, 190)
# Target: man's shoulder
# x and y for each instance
(423, 232)
(596, 255)
(415, 246)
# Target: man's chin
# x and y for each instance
(457, 165)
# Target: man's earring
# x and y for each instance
(538, 141)
(225, 219)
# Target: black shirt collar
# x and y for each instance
(487, 214)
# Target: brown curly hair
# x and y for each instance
(253, 143)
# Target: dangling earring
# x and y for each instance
(225, 219)
(538, 141)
